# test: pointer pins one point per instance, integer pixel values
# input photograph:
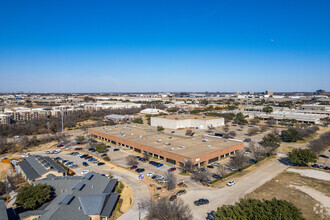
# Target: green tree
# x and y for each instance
(291, 135)
(302, 157)
(80, 138)
(256, 209)
(271, 143)
(101, 148)
(138, 121)
(32, 197)
(160, 128)
(240, 119)
(267, 109)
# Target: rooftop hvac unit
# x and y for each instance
(132, 134)
(170, 137)
(141, 136)
(208, 146)
(181, 146)
(167, 143)
(147, 130)
(171, 149)
(205, 140)
(116, 126)
(159, 140)
(124, 135)
(130, 128)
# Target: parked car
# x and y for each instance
(140, 170)
(133, 167)
(151, 162)
(84, 172)
(201, 202)
(230, 183)
(78, 148)
(159, 165)
(233, 168)
(172, 169)
(116, 149)
(216, 176)
(103, 155)
(210, 167)
(150, 174)
(172, 198)
(100, 164)
(60, 145)
(181, 192)
(215, 164)
(88, 157)
(324, 156)
(73, 165)
(85, 164)
(315, 166)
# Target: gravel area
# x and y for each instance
(316, 174)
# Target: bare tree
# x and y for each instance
(187, 167)
(146, 155)
(131, 160)
(163, 209)
(232, 133)
(271, 122)
(80, 138)
(188, 132)
(258, 152)
(221, 170)
(171, 180)
(239, 161)
(200, 176)
(253, 131)
(210, 128)
(254, 121)
(263, 128)
(225, 128)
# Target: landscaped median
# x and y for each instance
(247, 169)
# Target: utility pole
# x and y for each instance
(139, 211)
(62, 120)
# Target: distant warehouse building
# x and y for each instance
(174, 149)
(186, 121)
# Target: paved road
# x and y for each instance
(229, 195)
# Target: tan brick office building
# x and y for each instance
(172, 148)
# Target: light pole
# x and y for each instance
(62, 120)
(139, 211)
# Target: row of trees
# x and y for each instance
(293, 134)
(257, 209)
(32, 197)
(320, 144)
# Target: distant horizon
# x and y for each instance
(144, 46)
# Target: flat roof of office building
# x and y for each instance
(188, 146)
(183, 117)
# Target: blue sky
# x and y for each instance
(182, 45)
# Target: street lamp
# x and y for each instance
(139, 211)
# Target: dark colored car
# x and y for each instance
(100, 164)
(61, 145)
(201, 202)
(85, 164)
(133, 167)
(139, 170)
(172, 169)
(315, 166)
(210, 166)
(324, 156)
(216, 176)
(78, 148)
(103, 155)
(116, 149)
(88, 157)
(83, 156)
(172, 198)
(181, 192)
(150, 162)
(154, 177)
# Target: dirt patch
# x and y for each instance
(318, 196)
(279, 188)
(4, 170)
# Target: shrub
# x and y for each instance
(32, 197)
(302, 156)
